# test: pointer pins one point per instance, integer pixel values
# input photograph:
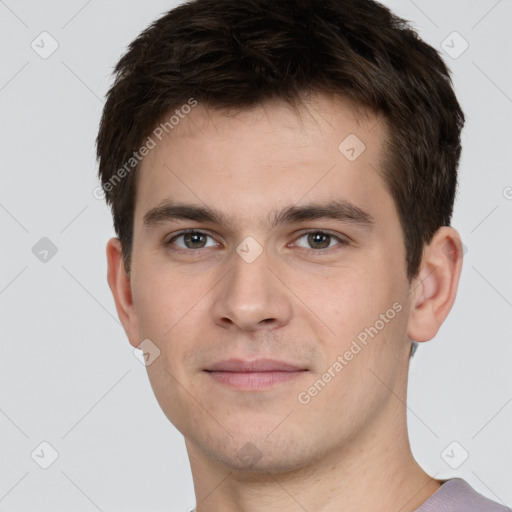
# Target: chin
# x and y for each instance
(254, 462)
(260, 453)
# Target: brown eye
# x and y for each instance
(319, 240)
(192, 240)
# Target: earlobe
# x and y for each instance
(435, 288)
(120, 287)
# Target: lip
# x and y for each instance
(257, 365)
(254, 375)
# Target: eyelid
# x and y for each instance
(168, 241)
(342, 239)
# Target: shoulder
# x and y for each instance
(456, 495)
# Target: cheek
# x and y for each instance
(345, 301)
(162, 299)
(365, 311)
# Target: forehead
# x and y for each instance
(256, 160)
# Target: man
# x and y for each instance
(282, 177)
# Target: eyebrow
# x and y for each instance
(340, 209)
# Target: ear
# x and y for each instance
(434, 289)
(119, 284)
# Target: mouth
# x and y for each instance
(254, 375)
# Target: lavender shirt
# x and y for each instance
(456, 495)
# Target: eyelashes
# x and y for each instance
(191, 236)
(193, 241)
(312, 235)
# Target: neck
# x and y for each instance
(376, 472)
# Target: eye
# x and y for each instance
(320, 240)
(191, 240)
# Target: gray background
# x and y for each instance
(68, 375)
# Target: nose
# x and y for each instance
(252, 297)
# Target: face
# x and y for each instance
(268, 269)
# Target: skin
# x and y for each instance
(296, 302)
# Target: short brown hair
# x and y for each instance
(234, 53)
